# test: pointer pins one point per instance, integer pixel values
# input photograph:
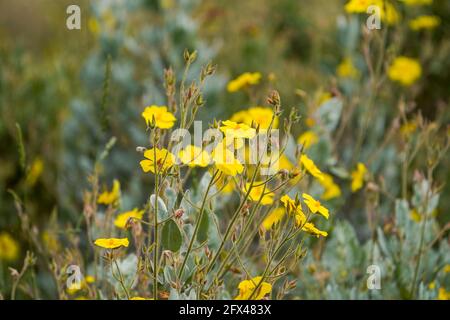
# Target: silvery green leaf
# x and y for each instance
(174, 294)
(171, 196)
(329, 113)
(291, 148)
(163, 214)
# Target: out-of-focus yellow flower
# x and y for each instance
(167, 4)
(307, 139)
(225, 161)
(247, 289)
(415, 215)
(122, 219)
(310, 122)
(194, 156)
(262, 117)
(311, 167)
(93, 26)
(225, 185)
(50, 241)
(110, 197)
(112, 243)
(258, 191)
(443, 294)
(358, 176)
(258, 116)
(309, 227)
(424, 22)
(358, 6)
(37, 167)
(447, 268)
(244, 80)
(141, 298)
(162, 118)
(404, 70)
(346, 69)
(417, 2)
(89, 279)
(273, 217)
(408, 128)
(237, 130)
(315, 206)
(9, 248)
(332, 190)
(163, 159)
(388, 13)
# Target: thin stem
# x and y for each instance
(155, 230)
(197, 224)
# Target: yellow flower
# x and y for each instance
(50, 241)
(163, 118)
(247, 288)
(237, 130)
(112, 243)
(110, 197)
(358, 176)
(346, 69)
(141, 298)
(388, 12)
(122, 219)
(9, 248)
(225, 185)
(225, 161)
(256, 116)
(443, 294)
(244, 80)
(447, 268)
(415, 215)
(194, 156)
(37, 167)
(358, 6)
(311, 167)
(310, 122)
(424, 22)
(315, 206)
(293, 207)
(94, 26)
(311, 228)
(408, 128)
(417, 2)
(404, 70)
(332, 190)
(259, 191)
(273, 217)
(89, 279)
(307, 139)
(163, 159)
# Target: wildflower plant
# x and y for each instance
(304, 176)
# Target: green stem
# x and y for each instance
(155, 230)
(197, 224)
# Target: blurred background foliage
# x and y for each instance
(70, 92)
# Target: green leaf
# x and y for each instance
(329, 113)
(21, 147)
(202, 234)
(163, 213)
(171, 236)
